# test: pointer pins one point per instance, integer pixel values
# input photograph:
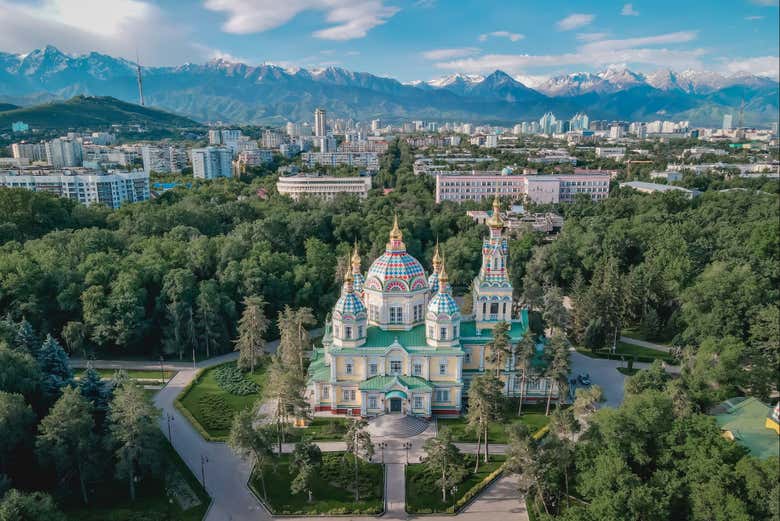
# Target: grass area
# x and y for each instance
(626, 371)
(154, 502)
(533, 416)
(212, 407)
(423, 496)
(333, 492)
(135, 374)
(636, 333)
(322, 429)
(625, 351)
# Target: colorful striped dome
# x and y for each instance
(433, 282)
(443, 303)
(396, 270)
(349, 304)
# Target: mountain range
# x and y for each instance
(221, 90)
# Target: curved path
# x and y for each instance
(226, 475)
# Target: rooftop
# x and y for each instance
(745, 418)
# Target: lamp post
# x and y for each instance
(162, 370)
(382, 445)
(407, 446)
(170, 418)
(203, 461)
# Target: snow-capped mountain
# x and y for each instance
(231, 91)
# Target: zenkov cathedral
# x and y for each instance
(397, 342)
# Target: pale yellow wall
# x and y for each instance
(395, 356)
(452, 401)
(358, 368)
(475, 356)
(340, 396)
(452, 369)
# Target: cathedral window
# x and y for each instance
(442, 395)
(348, 367)
(396, 315)
(325, 392)
(395, 366)
(418, 312)
(454, 331)
(443, 367)
(443, 333)
(372, 403)
(348, 395)
(504, 309)
(417, 369)
(467, 357)
(347, 331)
(493, 308)
(373, 310)
(360, 331)
(372, 369)
(484, 308)
(418, 402)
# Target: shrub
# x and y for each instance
(215, 412)
(232, 380)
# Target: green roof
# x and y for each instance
(516, 331)
(376, 337)
(318, 371)
(745, 419)
(380, 383)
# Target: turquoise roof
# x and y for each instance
(377, 337)
(380, 383)
(318, 371)
(396, 394)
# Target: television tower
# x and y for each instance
(140, 81)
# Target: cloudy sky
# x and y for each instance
(410, 39)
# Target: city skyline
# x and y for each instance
(427, 38)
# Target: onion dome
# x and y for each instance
(357, 277)
(348, 304)
(442, 302)
(495, 220)
(395, 269)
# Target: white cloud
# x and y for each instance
(768, 66)
(349, 19)
(574, 21)
(448, 54)
(753, 18)
(591, 37)
(768, 3)
(628, 10)
(643, 50)
(425, 4)
(118, 28)
(501, 34)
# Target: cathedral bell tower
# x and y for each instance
(492, 290)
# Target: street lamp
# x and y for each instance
(407, 446)
(382, 445)
(162, 370)
(170, 417)
(203, 460)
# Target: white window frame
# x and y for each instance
(417, 368)
(442, 395)
(443, 367)
(372, 402)
(400, 367)
(418, 402)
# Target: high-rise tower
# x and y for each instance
(319, 123)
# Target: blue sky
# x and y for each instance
(411, 39)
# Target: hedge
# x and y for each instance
(187, 414)
(475, 490)
(231, 379)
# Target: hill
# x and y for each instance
(92, 112)
(7, 106)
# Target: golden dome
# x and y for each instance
(395, 233)
(443, 278)
(356, 257)
(495, 220)
(436, 257)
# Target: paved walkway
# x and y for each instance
(226, 475)
(644, 343)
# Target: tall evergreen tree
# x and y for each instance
(248, 439)
(251, 328)
(16, 423)
(359, 445)
(525, 350)
(445, 459)
(55, 368)
(500, 347)
(26, 339)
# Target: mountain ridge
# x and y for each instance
(237, 92)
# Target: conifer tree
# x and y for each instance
(55, 369)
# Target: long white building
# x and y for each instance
(85, 186)
(562, 188)
(323, 187)
(211, 162)
(367, 160)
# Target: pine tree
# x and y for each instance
(445, 459)
(251, 328)
(26, 339)
(55, 369)
(94, 389)
(500, 346)
(359, 445)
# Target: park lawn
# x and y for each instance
(626, 371)
(625, 351)
(533, 416)
(423, 496)
(322, 429)
(333, 493)
(635, 333)
(631, 349)
(212, 407)
(111, 500)
(144, 374)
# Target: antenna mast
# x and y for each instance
(140, 81)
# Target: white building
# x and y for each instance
(111, 189)
(540, 189)
(367, 160)
(320, 124)
(32, 151)
(669, 175)
(62, 152)
(616, 153)
(211, 162)
(324, 187)
(727, 119)
(165, 159)
(651, 188)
